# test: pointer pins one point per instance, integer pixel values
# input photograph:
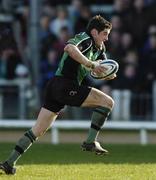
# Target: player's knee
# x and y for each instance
(109, 103)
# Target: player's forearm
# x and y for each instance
(76, 54)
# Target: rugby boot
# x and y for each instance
(7, 169)
(94, 147)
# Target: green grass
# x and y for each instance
(68, 162)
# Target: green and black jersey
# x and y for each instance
(70, 68)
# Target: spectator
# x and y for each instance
(49, 11)
(81, 22)
(148, 63)
(60, 21)
(140, 14)
(74, 10)
(131, 57)
(44, 26)
(114, 45)
(9, 61)
(117, 23)
(123, 9)
(63, 36)
(23, 17)
(127, 42)
(48, 67)
(129, 76)
(47, 42)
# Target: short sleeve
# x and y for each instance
(82, 41)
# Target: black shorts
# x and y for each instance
(61, 91)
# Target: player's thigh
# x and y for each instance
(98, 98)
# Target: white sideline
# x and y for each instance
(66, 124)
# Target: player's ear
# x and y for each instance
(94, 32)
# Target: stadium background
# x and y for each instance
(32, 37)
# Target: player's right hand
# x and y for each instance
(98, 69)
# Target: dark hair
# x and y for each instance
(99, 23)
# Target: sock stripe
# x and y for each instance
(95, 127)
(32, 134)
(99, 111)
(28, 136)
(104, 109)
(19, 149)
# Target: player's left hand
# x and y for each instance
(111, 77)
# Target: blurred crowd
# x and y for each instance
(132, 41)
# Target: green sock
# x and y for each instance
(22, 145)
(98, 118)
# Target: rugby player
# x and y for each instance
(81, 55)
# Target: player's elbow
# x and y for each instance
(68, 48)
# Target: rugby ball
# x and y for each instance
(112, 68)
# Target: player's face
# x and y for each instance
(101, 37)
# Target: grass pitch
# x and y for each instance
(68, 162)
